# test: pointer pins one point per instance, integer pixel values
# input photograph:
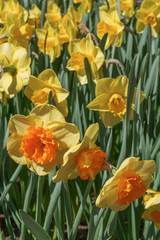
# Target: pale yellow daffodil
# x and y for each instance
(40, 139)
(110, 23)
(129, 182)
(15, 63)
(152, 207)
(149, 13)
(38, 90)
(111, 100)
(84, 159)
(81, 49)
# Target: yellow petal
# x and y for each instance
(100, 103)
(18, 124)
(11, 84)
(47, 113)
(20, 58)
(66, 134)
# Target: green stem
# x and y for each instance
(28, 196)
(79, 214)
(39, 199)
(52, 205)
(11, 181)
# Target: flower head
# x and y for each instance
(48, 41)
(110, 23)
(84, 159)
(149, 13)
(16, 69)
(111, 100)
(152, 207)
(129, 182)
(38, 90)
(40, 139)
(81, 49)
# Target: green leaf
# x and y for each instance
(103, 42)
(33, 226)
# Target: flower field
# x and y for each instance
(80, 119)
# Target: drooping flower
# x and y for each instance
(48, 41)
(81, 49)
(53, 13)
(152, 207)
(84, 159)
(111, 100)
(129, 182)
(15, 63)
(40, 139)
(110, 23)
(34, 16)
(38, 90)
(149, 13)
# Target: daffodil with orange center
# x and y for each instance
(111, 100)
(110, 23)
(84, 159)
(40, 139)
(38, 90)
(152, 207)
(129, 182)
(149, 13)
(81, 49)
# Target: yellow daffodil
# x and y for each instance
(40, 139)
(110, 23)
(152, 207)
(34, 16)
(129, 182)
(48, 41)
(38, 90)
(15, 73)
(86, 5)
(81, 49)
(111, 100)
(19, 32)
(68, 29)
(149, 13)
(53, 14)
(126, 7)
(84, 159)
(11, 6)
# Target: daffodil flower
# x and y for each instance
(34, 16)
(48, 41)
(86, 5)
(40, 139)
(149, 13)
(152, 207)
(38, 90)
(129, 182)
(81, 49)
(111, 100)
(13, 7)
(110, 23)
(15, 63)
(84, 159)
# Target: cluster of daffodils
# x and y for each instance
(43, 139)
